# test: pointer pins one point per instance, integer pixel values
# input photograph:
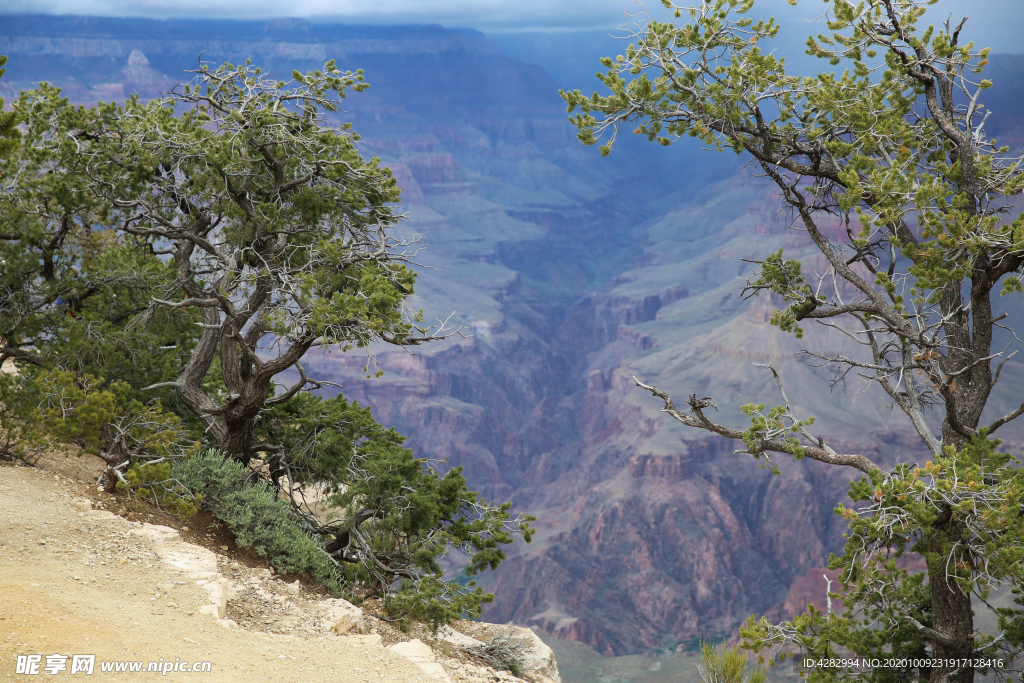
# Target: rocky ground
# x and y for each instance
(79, 579)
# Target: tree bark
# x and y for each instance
(951, 616)
(237, 440)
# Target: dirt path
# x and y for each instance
(80, 583)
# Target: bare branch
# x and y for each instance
(815, 453)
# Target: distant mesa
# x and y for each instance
(140, 78)
(136, 58)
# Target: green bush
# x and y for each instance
(155, 482)
(256, 516)
(726, 664)
(392, 516)
(436, 602)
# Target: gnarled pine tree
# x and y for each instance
(279, 232)
(895, 147)
(208, 240)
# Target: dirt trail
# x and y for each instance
(80, 583)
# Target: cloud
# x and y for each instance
(1000, 22)
(538, 13)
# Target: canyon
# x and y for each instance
(568, 275)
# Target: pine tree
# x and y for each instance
(204, 243)
(894, 147)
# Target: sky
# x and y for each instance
(1002, 21)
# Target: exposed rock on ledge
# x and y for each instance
(452, 661)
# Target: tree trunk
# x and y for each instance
(237, 440)
(952, 616)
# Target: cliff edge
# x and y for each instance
(86, 589)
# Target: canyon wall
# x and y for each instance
(569, 275)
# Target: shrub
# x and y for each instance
(155, 481)
(391, 517)
(256, 516)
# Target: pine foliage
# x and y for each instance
(8, 122)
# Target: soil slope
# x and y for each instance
(79, 583)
